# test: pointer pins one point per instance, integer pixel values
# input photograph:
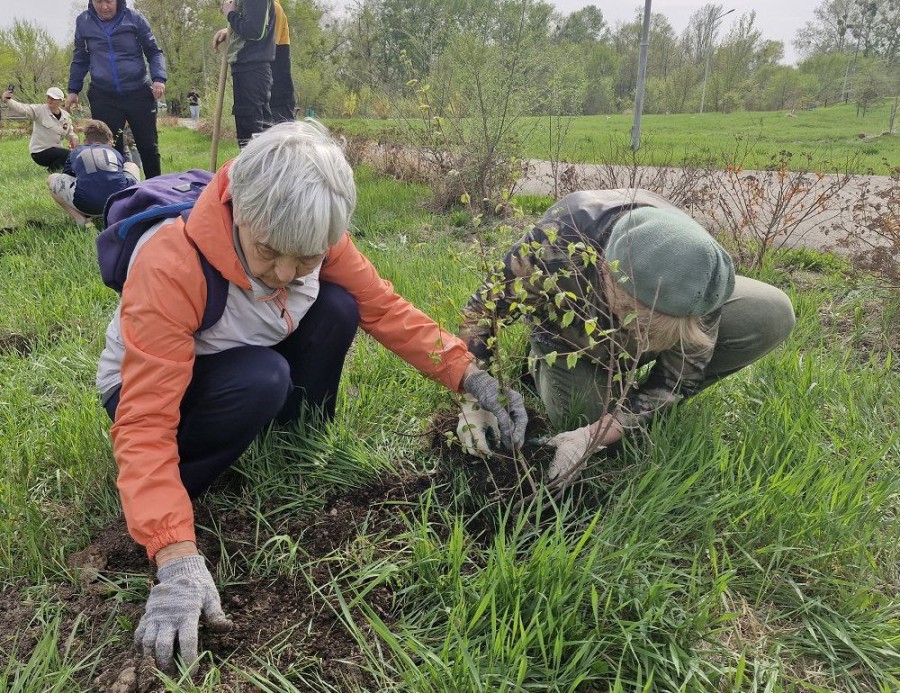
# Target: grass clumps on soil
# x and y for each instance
(747, 542)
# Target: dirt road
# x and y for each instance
(829, 209)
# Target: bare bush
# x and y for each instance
(682, 179)
(873, 238)
(762, 210)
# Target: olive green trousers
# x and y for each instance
(757, 318)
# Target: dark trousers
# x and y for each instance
(53, 158)
(234, 394)
(282, 101)
(282, 112)
(138, 108)
(252, 88)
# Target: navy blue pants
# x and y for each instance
(234, 394)
(138, 108)
(252, 85)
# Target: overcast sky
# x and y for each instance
(777, 19)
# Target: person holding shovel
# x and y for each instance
(610, 281)
(251, 51)
(186, 403)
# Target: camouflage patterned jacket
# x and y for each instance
(551, 279)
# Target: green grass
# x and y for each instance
(748, 543)
(825, 138)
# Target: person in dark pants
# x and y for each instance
(186, 403)
(193, 98)
(51, 125)
(112, 43)
(250, 54)
(283, 102)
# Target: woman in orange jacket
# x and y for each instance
(186, 403)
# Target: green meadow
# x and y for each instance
(747, 542)
(826, 139)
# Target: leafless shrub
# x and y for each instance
(354, 149)
(398, 161)
(567, 180)
(683, 179)
(762, 210)
(226, 129)
(872, 239)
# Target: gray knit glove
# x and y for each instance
(185, 590)
(509, 410)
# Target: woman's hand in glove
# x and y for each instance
(185, 591)
(573, 448)
(486, 413)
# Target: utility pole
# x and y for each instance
(845, 95)
(642, 75)
(714, 22)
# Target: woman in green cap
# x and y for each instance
(608, 281)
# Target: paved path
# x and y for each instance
(848, 210)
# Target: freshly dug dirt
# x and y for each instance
(289, 620)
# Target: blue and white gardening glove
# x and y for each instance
(571, 455)
(185, 591)
(486, 413)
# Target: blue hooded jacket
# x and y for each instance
(114, 51)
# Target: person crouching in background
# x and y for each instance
(51, 125)
(92, 173)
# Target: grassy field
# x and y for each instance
(748, 543)
(833, 138)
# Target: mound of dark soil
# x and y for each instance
(291, 621)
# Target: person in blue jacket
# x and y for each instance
(112, 42)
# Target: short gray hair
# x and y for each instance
(293, 187)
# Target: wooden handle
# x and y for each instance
(220, 99)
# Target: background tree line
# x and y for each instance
(358, 63)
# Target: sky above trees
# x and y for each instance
(779, 20)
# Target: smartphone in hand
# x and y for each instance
(11, 87)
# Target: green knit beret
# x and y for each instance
(671, 263)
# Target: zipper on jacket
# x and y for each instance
(112, 56)
(281, 302)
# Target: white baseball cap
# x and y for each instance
(55, 93)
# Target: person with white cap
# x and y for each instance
(52, 125)
(611, 281)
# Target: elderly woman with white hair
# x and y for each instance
(186, 403)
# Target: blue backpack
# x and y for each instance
(129, 213)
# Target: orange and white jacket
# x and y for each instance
(152, 341)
